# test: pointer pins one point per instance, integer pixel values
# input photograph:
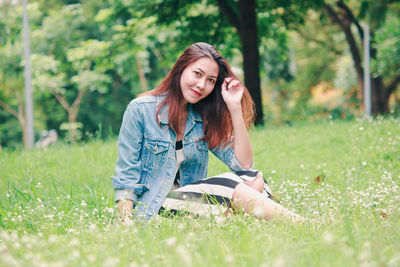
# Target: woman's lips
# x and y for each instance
(195, 92)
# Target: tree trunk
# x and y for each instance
(343, 19)
(249, 39)
(380, 98)
(19, 114)
(142, 77)
(246, 25)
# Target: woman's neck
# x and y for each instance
(182, 122)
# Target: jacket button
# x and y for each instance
(186, 138)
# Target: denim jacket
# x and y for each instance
(146, 164)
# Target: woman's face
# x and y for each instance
(198, 79)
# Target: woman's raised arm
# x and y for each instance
(232, 93)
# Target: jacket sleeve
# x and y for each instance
(226, 155)
(128, 166)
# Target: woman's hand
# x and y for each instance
(125, 208)
(232, 92)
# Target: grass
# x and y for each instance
(57, 208)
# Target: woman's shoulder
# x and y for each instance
(147, 100)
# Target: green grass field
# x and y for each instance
(57, 208)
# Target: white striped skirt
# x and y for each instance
(208, 196)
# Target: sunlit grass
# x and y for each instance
(57, 208)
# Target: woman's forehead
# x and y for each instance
(206, 65)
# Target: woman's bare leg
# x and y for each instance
(253, 202)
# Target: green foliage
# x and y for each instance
(73, 130)
(111, 51)
(387, 43)
(47, 76)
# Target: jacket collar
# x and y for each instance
(163, 114)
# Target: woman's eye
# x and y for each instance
(196, 73)
(212, 80)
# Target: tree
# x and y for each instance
(68, 64)
(244, 19)
(238, 27)
(347, 15)
(11, 63)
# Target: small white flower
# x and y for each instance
(364, 163)
(273, 171)
(171, 241)
(91, 258)
(220, 220)
(328, 237)
(110, 210)
(8, 195)
(361, 128)
(74, 242)
(229, 258)
(52, 239)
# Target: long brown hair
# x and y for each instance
(218, 128)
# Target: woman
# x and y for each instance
(166, 134)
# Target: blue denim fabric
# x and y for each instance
(146, 164)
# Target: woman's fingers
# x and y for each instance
(228, 79)
(230, 82)
(224, 84)
(233, 84)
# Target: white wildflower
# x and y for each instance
(184, 255)
(74, 242)
(111, 261)
(52, 239)
(328, 237)
(220, 220)
(229, 258)
(279, 262)
(92, 227)
(110, 210)
(171, 241)
(91, 258)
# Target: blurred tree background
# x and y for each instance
(299, 60)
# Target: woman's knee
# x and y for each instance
(257, 184)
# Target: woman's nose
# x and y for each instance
(201, 83)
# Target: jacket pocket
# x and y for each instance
(202, 150)
(154, 156)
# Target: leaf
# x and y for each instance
(319, 179)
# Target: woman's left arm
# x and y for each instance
(232, 93)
